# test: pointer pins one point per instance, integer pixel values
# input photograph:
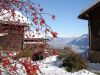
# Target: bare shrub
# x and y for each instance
(72, 61)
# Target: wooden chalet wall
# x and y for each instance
(95, 32)
(92, 14)
(94, 24)
(13, 40)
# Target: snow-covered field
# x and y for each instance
(48, 66)
(94, 67)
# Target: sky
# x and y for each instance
(67, 23)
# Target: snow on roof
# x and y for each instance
(90, 6)
(6, 15)
(30, 34)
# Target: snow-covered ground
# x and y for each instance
(49, 66)
(94, 67)
(10, 69)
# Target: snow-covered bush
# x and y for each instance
(72, 61)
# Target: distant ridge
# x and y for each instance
(82, 42)
(60, 42)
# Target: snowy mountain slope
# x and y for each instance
(81, 42)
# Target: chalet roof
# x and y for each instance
(84, 13)
(6, 15)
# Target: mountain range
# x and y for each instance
(60, 42)
(77, 43)
(82, 42)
